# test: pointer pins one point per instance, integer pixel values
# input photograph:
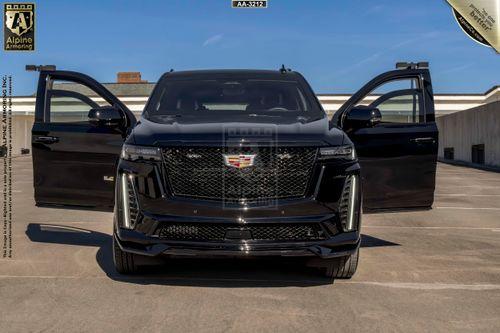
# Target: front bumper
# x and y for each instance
(135, 242)
(157, 208)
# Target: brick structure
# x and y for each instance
(129, 77)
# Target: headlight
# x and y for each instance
(340, 152)
(135, 153)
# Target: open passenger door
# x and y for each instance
(77, 137)
(396, 138)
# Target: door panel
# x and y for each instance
(74, 161)
(398, 155)
(397, 171)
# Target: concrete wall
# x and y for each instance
(479, 125)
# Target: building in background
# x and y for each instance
(469, 123)
(471, 136)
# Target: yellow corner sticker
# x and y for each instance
(479, 19)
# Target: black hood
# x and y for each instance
(198, 131)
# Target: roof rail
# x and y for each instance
(412, 65)
(39, 68)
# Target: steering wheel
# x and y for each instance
(278, 108)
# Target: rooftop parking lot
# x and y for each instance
(436, 270)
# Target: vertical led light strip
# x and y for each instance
(126, 208)
(352, 199)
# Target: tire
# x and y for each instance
(342, 268)
(124, 261)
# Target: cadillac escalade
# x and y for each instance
(236, 162)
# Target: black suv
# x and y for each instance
(235, 162)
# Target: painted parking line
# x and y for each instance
(426, 286)
(490, 175)
(419, 227)
(465, 195)
(62, 277)
(468, 208)
(105, 219)
(466, 177)
(398, 285)
(478, 186)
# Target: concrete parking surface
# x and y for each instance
(436, 270)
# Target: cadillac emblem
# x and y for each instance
(239, 161)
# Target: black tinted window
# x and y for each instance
(204, 97)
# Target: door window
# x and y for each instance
(399, 101)
(400, 107)
(71, 103)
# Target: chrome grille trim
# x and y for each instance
(277, 173)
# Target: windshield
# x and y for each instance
(251, 97)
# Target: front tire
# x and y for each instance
(124, 261)
(343, 267)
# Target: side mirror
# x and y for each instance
(105, 116)
(362, 116)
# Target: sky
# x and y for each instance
(338, 45)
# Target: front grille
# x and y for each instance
(277, 172)
(220, 232)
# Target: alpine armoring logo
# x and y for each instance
(19, 27)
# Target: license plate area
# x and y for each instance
(238, 233)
